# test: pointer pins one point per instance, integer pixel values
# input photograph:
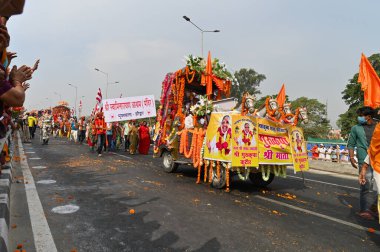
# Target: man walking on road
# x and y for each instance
(100, 127)
(360, 137)
(32, 122)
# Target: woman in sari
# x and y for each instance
(133, 138)
(144, 139)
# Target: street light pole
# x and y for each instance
(200, 29)
(60, 97)
(76, 96)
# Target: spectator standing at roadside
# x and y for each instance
(328, 153)
(360, 137)
(322, 152)
(314, 152)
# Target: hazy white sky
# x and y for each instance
(312, 46)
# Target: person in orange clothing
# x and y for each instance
(315, 152)
(100, 126)
(373, 160)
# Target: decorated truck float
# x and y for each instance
(198, 124)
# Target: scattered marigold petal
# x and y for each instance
(132, 211)
(19, 246)
(350, 206)
(14, 226)
(275, 212)
(371, 230)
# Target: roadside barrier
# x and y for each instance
(5, 188)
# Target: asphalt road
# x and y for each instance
(172, 212)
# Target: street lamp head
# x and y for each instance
(186, 18)
(97, 69)
(217, 31)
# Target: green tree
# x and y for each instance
(246, 80)
(318, 125)
(353, 96)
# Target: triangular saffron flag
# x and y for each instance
(370, 83)
(281, 97)
(209, 75)
(374, 149)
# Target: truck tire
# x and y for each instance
(216, 182)
(168, 162)
(257, 179)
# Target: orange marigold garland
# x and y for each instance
(227, 178)
(205, 172)
(199, 173)
(296, 117)
(211, 170)
(269, 111)
(188, 72)
(190, 152)
(218, 169)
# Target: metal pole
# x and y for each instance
(76, 97)
(202, 43)
(107, 86)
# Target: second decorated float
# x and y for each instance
(199, 124)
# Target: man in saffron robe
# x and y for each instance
(144, 139)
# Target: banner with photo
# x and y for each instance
(273, 142)
(244, 144)
(299, 151)
(218, 138)
(129, 108)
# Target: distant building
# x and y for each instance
(334, 134)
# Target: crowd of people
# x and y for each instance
(13, 84)
(332, 153)
(129, 136)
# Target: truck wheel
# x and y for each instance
(216, 182)
(257, 179)
(168, 162)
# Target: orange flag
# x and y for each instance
(374, 149)
(209, 75)
(370, 83)
(281, 97)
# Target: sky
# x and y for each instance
(313, 47)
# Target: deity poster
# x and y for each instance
(244, 141)
(218, 138)
(299, 151)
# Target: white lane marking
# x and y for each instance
(4, 199)
(43, 239)
(327, 183)
(46, 181)
(317, 214)
(67, 209)
(39, 167)
(35, 158)
(4, 231)
(30, 152)
(117, 154)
